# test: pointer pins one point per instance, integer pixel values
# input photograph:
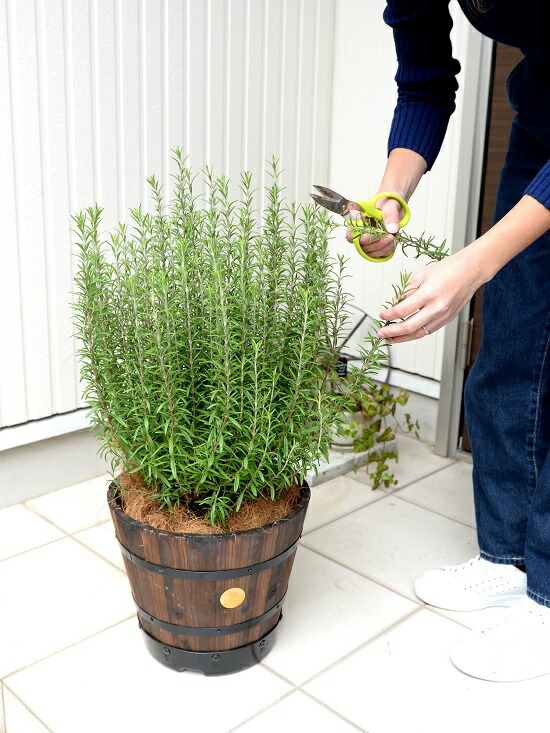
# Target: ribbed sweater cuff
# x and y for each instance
(419, 126)
(539, 188)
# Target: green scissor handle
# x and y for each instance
(370, 209)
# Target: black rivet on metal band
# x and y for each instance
(208, 574)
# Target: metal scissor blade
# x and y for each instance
(334, 206)
(333, 201)
(330, 200)
(328, 193)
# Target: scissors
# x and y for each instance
(341, 205)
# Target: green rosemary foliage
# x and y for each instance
(373, 357)
(208, 341)
(421, 245)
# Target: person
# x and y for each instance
(507, 392)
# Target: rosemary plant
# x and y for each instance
(208, 340)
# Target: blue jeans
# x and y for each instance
(507, 393)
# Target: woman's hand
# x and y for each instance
(438, 293)
(404, 170)
(434, 297)
(392, 213)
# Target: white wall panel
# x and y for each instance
(13, 400)
(95, 93)
(29, 212)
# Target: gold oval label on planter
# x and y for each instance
(232, 597)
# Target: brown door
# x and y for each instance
(498, 133)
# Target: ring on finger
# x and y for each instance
(426, 331)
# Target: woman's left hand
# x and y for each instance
(434, 296)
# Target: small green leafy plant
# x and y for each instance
(377, 405)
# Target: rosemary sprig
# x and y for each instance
(375, 356)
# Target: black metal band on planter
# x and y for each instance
(209, 630)
(211, 663)
(208, 574)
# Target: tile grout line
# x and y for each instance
(278, 674)
(347, 514)
(355, 650)
(384, 630)
(31, 549)
(37, 513)
(267, 707)
(436, 511)
(385, 493)
(295, 688)
(420, 478)
(299, 687)
(98, 554)
(44, 517)
(332, 710)
(380, 632)
(363, 574)
(29, 710)
(67, 535)
(3, 711)
(63, 649)
(439, 612)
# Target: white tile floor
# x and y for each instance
(356, 650)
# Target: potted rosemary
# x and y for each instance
(207, 346)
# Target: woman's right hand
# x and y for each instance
(392, 213)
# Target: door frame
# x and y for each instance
(477, 87)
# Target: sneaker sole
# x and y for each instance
(501, 600)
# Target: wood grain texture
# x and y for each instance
(196, 603)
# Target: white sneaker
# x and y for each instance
(473, 585)
(516, 648)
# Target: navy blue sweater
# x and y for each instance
(426, 75)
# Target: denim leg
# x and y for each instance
(537, 545)
(507, 396)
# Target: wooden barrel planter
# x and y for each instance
(209, 602)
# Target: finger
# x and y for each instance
(391, 214)
(351, 235)
(415, 298)
(381, 252)
(410, 325)
(372, 245)
(415, 336)
(368, 244)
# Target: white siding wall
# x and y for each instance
(96, 93)
(94, 96)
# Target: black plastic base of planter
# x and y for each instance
(211, 663)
